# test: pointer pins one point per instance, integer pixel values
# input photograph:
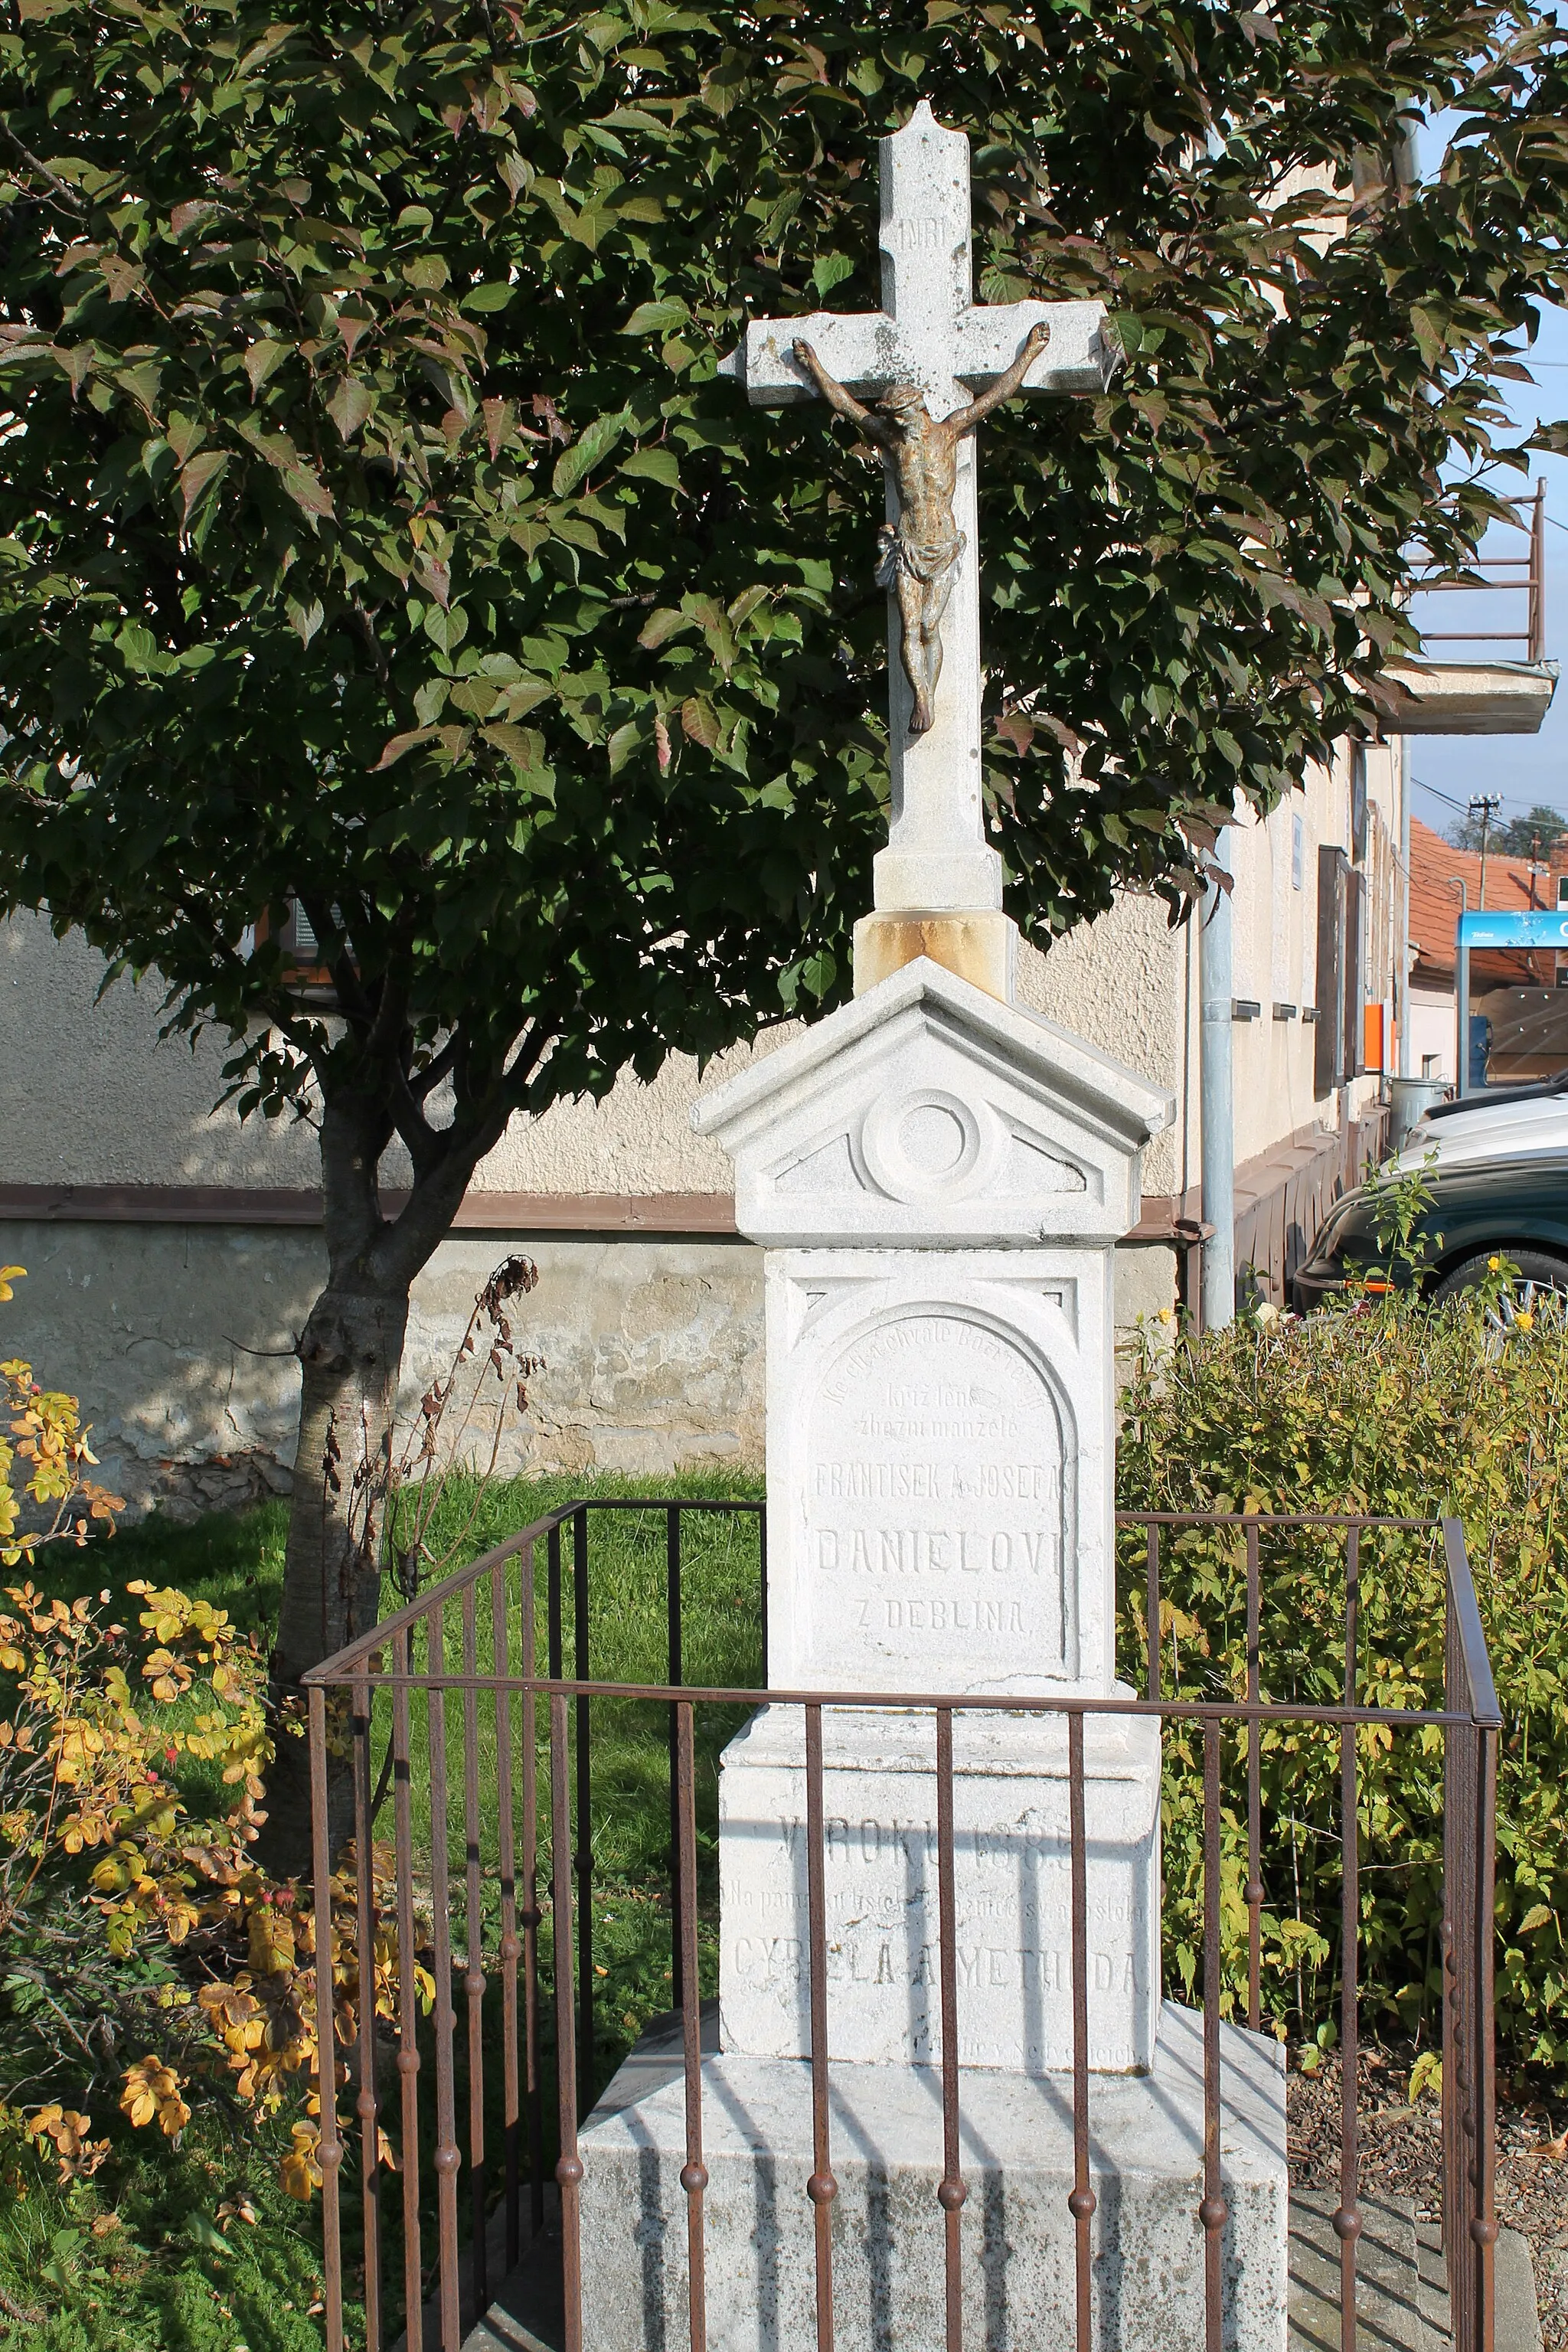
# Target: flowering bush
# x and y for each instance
(145, 1960)
(50, 1439)
(124, 1913)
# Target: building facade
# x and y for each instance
(173, 1253)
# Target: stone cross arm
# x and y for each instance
(866, 350)
(932, 334)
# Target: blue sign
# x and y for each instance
(1540, 926)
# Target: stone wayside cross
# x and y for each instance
(937, 884)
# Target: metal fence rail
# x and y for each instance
(1523, 574)
(511, 1993)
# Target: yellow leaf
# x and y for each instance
(1427, 2074)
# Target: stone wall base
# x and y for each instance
(1017, 2235)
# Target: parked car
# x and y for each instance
(1517, 1119)
(1513, 1204)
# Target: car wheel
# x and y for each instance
(1538, 1270)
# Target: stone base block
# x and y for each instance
(1013, 1881)
(981, 948)
(1017, 2236)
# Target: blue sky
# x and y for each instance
(1521, 769)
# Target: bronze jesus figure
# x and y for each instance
(920, 552)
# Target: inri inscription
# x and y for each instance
(936, 1518)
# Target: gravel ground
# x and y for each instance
(1400, 2151)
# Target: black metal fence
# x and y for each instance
(477, 2050)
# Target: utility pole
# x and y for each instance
(1485, 805)
(1462, 996)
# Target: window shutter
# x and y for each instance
(1327, 1056)
(1352, 1041)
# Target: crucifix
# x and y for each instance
(935, 363)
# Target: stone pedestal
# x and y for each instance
(1017, 2235)
(1012, 1886)
(941, 1179)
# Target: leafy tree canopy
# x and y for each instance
(374, 531)
(1536, 834)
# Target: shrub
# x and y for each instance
(58, 1502)
(155, 1984)
(1392, 1407)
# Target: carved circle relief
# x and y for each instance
(932, 1136)
(927, 1144)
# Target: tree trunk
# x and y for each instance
(351, 1353)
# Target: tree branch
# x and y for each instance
(407, 1241)
(437, 1067)
(67, 194)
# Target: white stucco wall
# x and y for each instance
(1434, 1033)
(91, 1096)
(95, 1098)
(179, 1341)
(178, 1337)
(1275, 950)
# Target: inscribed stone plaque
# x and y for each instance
(936, 1509)
(1013, 1889)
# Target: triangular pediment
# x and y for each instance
(928, 1111)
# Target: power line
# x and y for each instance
(1509, 800)
(1447, 798)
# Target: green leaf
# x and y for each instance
(447, 629)
(525, 745)
(197, 476)
(262, 360)
(1428, 331)
(623, 742)
(656, 317)
(575, 462)
(488, 298)
(477, 695)
(394, 750)
(660, 627)
(307, 490)
(350, 404)
(831, 270)
(699, 721)
(576, 532)
(138, 644)
(652, 466)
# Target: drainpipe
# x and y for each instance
(1216, 1115)
(1401, 974)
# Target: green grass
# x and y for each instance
(235, 1563)
(627, 1809)
(165, 2269)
